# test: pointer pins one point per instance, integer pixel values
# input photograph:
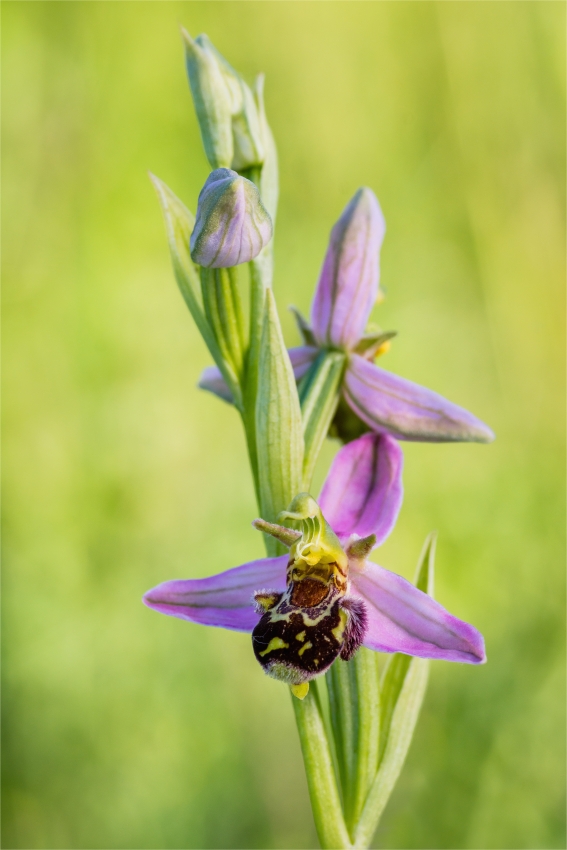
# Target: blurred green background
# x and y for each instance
(125, 729)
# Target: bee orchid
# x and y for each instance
(326, 598)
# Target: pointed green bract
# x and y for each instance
(223, 309)
(279, 429)
(403, 688)
(179, 223)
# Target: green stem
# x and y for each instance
(321, 781)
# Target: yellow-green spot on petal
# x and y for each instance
(275, 643)
(305, 646)
(300, 636)
(339, 630)
(300, 691)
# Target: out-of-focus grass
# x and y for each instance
(124, 729)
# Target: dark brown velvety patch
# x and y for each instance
(308, 593)
(309, 650)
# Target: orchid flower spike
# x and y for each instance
(232, 224)
(371, 397)
(325, 598)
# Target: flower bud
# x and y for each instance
(226, 109)
(232, 224)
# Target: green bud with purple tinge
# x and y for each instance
(232, 224)
(227, 110)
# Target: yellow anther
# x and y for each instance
(384, 348)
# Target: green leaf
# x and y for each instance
(343, 706)
(403, 688)
(365, 664)
(354, 699)
(279, 430)
(179, 223)
(319, 396)
(321, 780)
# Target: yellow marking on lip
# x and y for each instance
(300, 636)
(339, 630)
(305, 646)
(275, 643)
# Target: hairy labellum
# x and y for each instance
(306, 629)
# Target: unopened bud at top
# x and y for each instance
(226, 109)
(232, 224)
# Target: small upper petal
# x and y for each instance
(402, 618)
(394, 405)
(225, 599)
(348, 285)
(363, 491)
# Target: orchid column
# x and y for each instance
(322, 610)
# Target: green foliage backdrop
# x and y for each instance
(124, 729)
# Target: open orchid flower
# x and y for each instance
(372, 398)
(324, 599)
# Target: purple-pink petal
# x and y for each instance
(394, 405)
(363, 491)
(403, 619)
(225, 599)
(302, 357)
(212, 381)
(348, 285)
